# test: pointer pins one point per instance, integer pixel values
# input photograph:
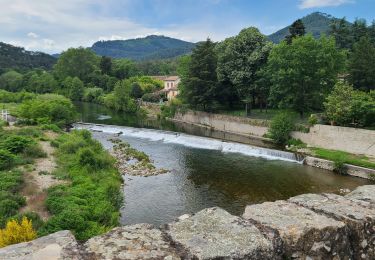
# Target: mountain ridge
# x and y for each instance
(146, 48)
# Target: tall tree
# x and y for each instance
(11, 81)
(78, 62)
(106, 65)
(341, 30)
(241, 59)
(295, 30)
(359, 29)
(200, 84)
(76, 89)
(361, 65)
(303, 72)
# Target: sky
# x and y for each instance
(54, 25)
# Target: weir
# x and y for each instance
(194, 141)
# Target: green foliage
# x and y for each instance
(12, 57)
(201, 82)
(18, 97)
(106, 65)
(93, 95)
(154, 97)
(348, 107)
(76, 89)
(297, 29)
(149, 48)
(340, 156)
(50, 108)
(361, 65)
(303, 72)
(90, 204)
(240, 59)
(43, 83)
(79, 62)
(120, 99)
(169, 110)
(7, 159)
(136, 91)
(313, 120)
(16, 144)
(280, 128)
(11, 81)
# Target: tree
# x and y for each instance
(295, 30)
(11, 81)
(79, 62)
(106, 65)
(361, 65)
(359, 29)
(201, 81)
(341, 30)
(124, 68)
(120, 99)
(303, 72)
(46, 84)
(76, 89)
(241, 59)
(348, 107)
(136, 90)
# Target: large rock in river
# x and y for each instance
(305, 234)
(364, 193)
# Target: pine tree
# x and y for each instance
(199, 86)
(361, 65)
(295, 30)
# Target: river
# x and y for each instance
(204, 172)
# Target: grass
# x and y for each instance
(340, 156)
(264, 115)
(11, 107)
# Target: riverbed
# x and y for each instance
(205, 172)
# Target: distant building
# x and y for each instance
(170, 85)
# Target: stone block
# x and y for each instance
(304, 233)
(364, 193)
(57, 246)
(358, 216)
(215, 234)
(140, 241)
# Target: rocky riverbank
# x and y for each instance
(132, 162)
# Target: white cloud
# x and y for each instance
(305, 4)
(33, 35)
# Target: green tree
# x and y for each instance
(359, 29)
(11, 81)
(303, 72)
(120, 99)
(241, 59)
(76, 89)
(79, 62)
(341, 30)
(136, 90)
(46, 84)
(124, 68)
(201, 81)
(361, 65)
(106, 65)
(295, 30)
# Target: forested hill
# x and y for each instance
(316, 23)
(148, 48)
(12, 57)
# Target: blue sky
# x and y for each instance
(55, 25)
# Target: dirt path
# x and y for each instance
(38, 180)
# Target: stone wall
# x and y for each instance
(308, 226)
(352, 140)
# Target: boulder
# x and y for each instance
(215, 234)
(57, 246)
(305, 234)
(364, 193)
(140, 241)
(356, 214)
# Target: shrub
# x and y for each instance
(280, 128)
(16, 144)
(170, 109)
(34, 151)
(7, 159)
(17, 232)
(340, 167)
(313, 120)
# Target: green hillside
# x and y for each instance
(148, 48)
(12, 57)
(316, 23)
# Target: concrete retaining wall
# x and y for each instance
(351, 140)
(308, 226)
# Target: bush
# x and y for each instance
(49, 108)
(7, 159)
(280, 128)
(16, 144)
(16, 232)
(313, 120)
(170, 109)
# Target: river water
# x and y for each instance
(204, 172)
